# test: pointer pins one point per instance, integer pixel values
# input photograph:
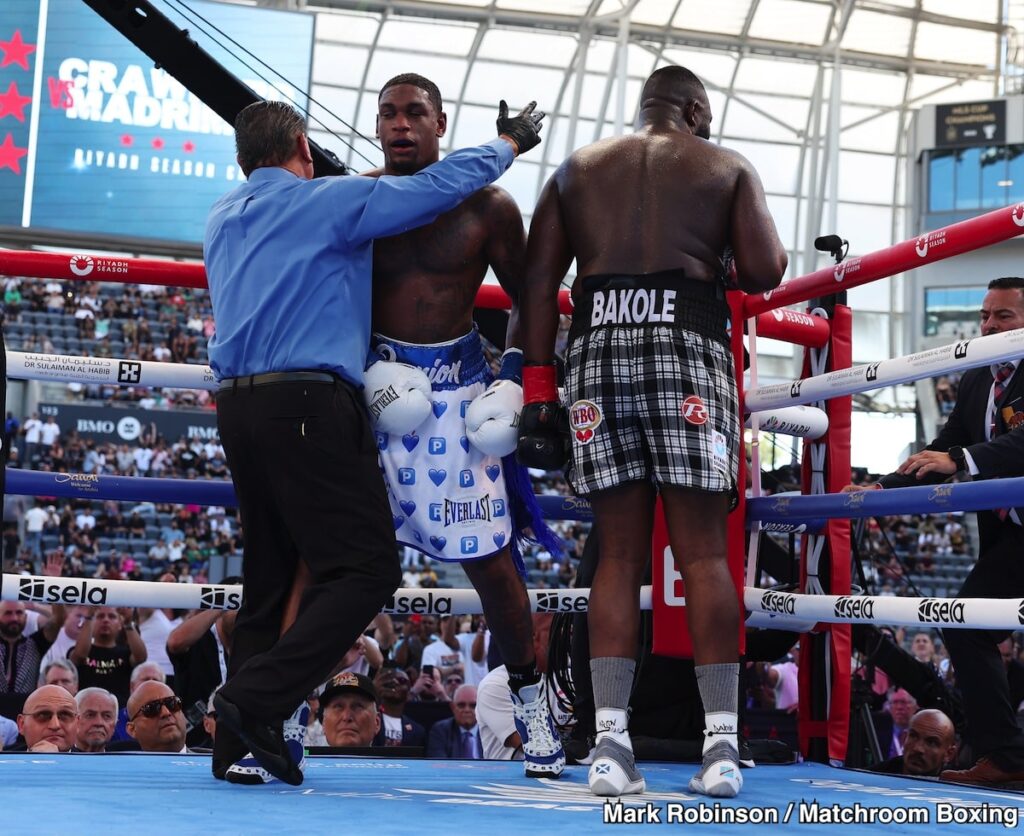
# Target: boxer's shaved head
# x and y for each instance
(677, 89)
(674, 84)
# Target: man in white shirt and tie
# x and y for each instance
(458, 737)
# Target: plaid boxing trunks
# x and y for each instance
(650, 385)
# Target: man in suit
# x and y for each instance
(982, 439)
(397, 728)
(156, 719)
(459, 736)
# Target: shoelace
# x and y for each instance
(537, 727)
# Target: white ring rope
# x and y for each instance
(768, 608)
(194, 596)
(955, 357)
(69, 368)
(805, 422)
(800, 421)
(972, 613)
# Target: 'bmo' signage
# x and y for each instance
(131, 426)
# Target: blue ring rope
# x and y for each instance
(196, 491)
(926, 499)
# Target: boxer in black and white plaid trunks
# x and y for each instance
(651, 395)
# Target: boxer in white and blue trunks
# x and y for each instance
(446, 433)
(448, 498)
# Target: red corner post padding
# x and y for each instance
(671, 632)
(826, 663)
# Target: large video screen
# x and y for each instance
(95, 138)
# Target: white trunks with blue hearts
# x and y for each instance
(447, 498)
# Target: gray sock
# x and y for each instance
(718, 684)
(612, 678)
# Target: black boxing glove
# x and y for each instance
(523, 129)
(543, 424)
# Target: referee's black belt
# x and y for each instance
(249, 381)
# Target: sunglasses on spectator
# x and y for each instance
(152, 708)
(465, 705)
(46, 715)
(453, 680)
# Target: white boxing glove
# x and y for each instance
(398, 396)
(492, 419)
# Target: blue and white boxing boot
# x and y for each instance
(542, 747)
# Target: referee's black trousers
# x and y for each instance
(303, 458)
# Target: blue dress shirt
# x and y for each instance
(289, 261)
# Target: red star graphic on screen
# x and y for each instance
(188, 147)
(10, 154)
(127, 140)
(11, 104)
(16, 51)
(158, 143)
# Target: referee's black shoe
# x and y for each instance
(266, 742)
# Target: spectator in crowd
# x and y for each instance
(12, 426)
(411, 578)
(923, 648)
(155, 628)
(49, 721)
(416, 634)
(145, 672)
(383, 632)
(107, 648)
(429, 687)
(901, 707)
(930, 746)
(97, 717)
(8, 733)
(32, 429)
(445, 654)
(50, 431)
(780, 680)
(60, 672)
(21, 654)
(397, 729)
(155, 719)
(458, 736)
(209, 723)
(314, 735)
(348, 711)
(36, 518)
(364, 657)
(474, 658)
(200, 649)
(452, 683)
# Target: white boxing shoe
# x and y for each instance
(613, 771)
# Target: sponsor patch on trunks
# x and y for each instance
(584, 419)
(694, 411)
(720, 452)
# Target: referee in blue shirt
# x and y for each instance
(289, 259)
